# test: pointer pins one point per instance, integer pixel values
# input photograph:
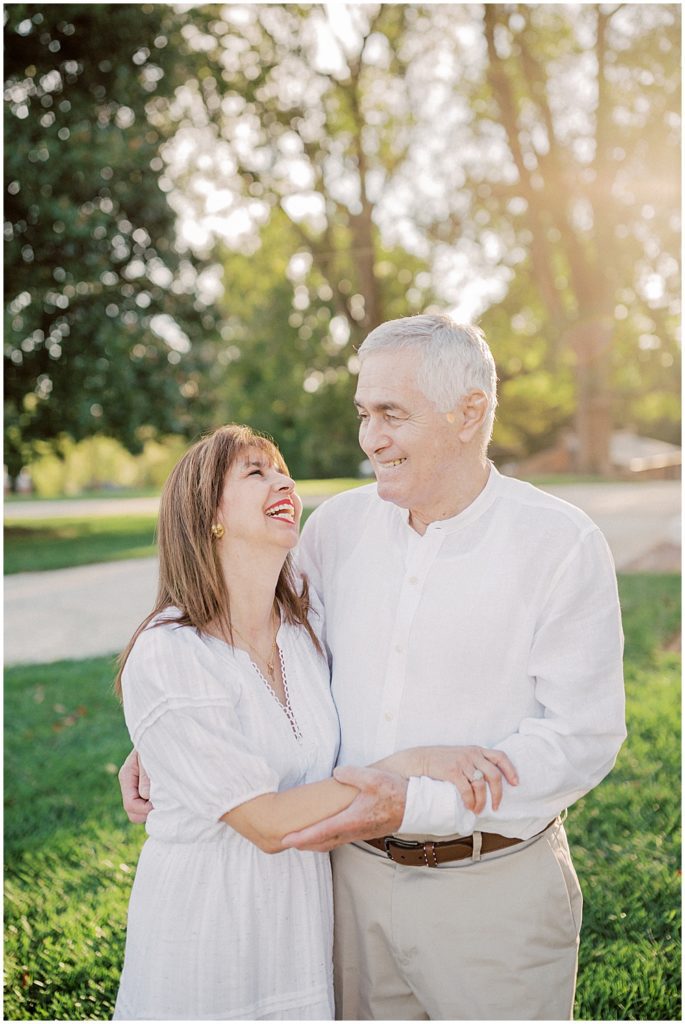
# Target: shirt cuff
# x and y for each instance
(435, 808)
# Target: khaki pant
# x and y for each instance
(493, 939)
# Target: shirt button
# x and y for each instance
(398, 648)
(388, 716)
(413, 579)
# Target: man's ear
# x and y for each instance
(473, 411)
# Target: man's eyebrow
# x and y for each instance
(259, 463)
(380, 406)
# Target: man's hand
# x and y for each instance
(458, 764)
(135, 789)
(376, 811)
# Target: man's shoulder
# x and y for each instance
(536, 505)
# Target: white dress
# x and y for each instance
(217, 929)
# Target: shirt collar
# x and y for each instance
(467, 515)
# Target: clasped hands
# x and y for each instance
(378, 807)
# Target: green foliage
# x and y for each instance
(580, 185)
(538, 178)
(325, 142)
(528, 154)
(89, 262)
(285, 362)
(313, 274)
(33, 545)
(70, 854)
(102, 462)
(270, 354)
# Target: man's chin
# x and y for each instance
(391, 492)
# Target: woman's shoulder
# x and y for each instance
(171, 659)
(164, 635)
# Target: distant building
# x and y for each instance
(632, 458)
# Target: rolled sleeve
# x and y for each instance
(434, 808)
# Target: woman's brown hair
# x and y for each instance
(190, 576)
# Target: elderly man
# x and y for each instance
(462, 607)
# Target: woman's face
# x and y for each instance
(259, 504)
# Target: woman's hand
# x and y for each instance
(458, 766)
(135, 789)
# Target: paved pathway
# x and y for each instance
(93, 609)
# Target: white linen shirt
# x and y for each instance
(498, 627)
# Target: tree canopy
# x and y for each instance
(574, 171)
(101, 309)
(331, 168)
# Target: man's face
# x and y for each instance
(413, 448)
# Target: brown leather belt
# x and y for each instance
(422, 855)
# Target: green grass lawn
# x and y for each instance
(70, 853)
(31, 544)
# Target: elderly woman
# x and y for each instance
(226, 697)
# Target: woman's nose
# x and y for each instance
(284, 483)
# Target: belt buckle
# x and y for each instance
(402, 844)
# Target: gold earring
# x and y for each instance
(217, 531)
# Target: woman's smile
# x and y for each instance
(283, 510)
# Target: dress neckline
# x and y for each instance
(286, 708)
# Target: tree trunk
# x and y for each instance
(591, 341)
(14, 463)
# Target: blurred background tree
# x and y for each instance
(288, 144)
(100, 307)
(571, 171)
(306, 172)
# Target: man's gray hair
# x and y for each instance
(455, 358)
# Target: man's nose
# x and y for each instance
(374, 438)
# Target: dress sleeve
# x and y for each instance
(206, 763)
(180, 704)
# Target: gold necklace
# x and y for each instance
(270, 662)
